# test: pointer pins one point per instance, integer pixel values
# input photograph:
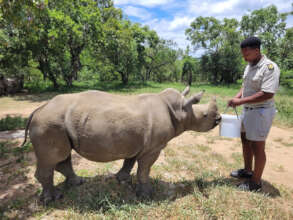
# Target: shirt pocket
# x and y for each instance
(245, 79)
(256, 81)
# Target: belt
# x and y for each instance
(251, 108)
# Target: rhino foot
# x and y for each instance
(123, 177)
(144, 191)
(75, 181)
(47, 196)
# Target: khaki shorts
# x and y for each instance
(256, 123)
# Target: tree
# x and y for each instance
(268, 24)
(53, 33)
(158, 55)
(285, 46)
(285, 58)
(16, 23)
(221, 41)
(120, 48)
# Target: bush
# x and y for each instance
(286, 78)
(12, 123)
(285, 109)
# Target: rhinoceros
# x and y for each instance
(10, 85)
(105, 127)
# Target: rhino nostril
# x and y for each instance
(218, 119)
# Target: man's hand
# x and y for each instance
(257, 97)
(234, 102)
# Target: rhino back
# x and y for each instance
(112, 127)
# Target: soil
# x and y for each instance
(277, 171)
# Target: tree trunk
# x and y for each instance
(55, 84)
(68, 80)
(124, 78)
(189, 78)
(44, 67)
(75, 51)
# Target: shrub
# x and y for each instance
(12, 123)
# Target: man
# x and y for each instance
(260, 83)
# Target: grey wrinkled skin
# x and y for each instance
(104, 127)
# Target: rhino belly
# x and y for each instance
(109, 146)
(106, 133)
(105, 150)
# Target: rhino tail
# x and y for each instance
(29, 122)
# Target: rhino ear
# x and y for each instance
(213, 101)
(193, 99)
(185, 91)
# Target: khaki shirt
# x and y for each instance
(264, 76)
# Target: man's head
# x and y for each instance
(250, 49)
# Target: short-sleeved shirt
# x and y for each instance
(264, 76)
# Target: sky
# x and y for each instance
(170, 18)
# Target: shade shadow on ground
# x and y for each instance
(103, 192)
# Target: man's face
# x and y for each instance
(250, 54)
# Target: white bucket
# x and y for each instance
(230, 126)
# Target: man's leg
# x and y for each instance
(247, 152)
(247, 157)
(258, 148)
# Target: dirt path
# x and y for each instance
(279, 150)
(23, 109)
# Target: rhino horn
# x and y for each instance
(194, 99)
(185, 91)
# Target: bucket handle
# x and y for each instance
(235, 109)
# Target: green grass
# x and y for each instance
(4, 149)
(284, 97)
(12, 123)
(134, 87)
(9, 147)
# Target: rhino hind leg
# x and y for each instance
(44, 175)
(65, 167)
(51, 148)
(144, 189)
(124, 173)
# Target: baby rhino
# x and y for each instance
(104, 127)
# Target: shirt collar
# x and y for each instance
(260, 62)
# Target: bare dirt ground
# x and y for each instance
(278, 168)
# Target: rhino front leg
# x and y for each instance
(65, 167)
(144, 188)
(124, 172)
(44, 174)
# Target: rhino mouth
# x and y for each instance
(218, 120)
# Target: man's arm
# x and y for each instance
(237, 96)
(257, 97)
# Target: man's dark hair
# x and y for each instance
(252, 42)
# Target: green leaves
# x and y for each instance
(268, 24)
(221, 40)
